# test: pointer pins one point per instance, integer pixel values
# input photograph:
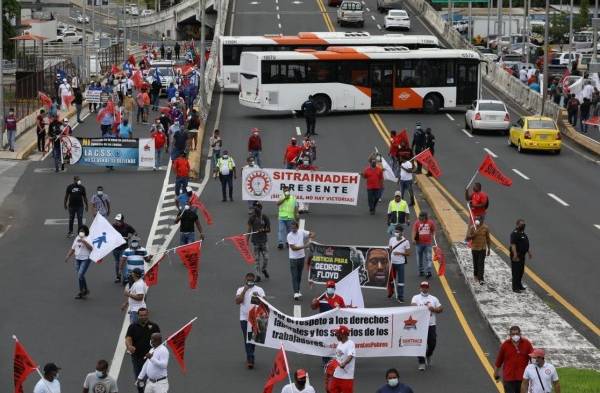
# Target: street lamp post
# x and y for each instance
(546, 57)
(499, 29)
(525, 32)
(84, 44)
(2, 78)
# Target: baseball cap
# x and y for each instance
(300, 373)
(343, 330)
(293, 139)
(49, 367)
(397, 193)
(538, 352)
(330, 284)
(119, 217)
(424, 284)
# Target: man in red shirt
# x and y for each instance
(478, 200)
(255, 146)
(159, 143)
(328, 300)
(374, 176)
(181, 166)
(513, 357)
(292, 152)
(423, 233)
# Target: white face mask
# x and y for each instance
(330, 291)
(100, 192)
(82, 234)
(397, 234)
(424, 293)
(225, 156)
(477, 222)
(306, 162)
(393, 382)
(286, 193)
(100, 374)
(515, 337)
(78, 182)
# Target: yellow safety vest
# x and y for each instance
(397, 211)
(230, 163)
(288, 208)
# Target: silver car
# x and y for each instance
(489, 115)
(351, 11)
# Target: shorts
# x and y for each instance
(337, 385)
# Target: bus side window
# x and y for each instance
(406, 75)
(296, 73)
(354, 73)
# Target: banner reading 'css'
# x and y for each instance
(112, 152)
(376, 332)
(265, 184)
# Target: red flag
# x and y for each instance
(151, 276)
(115, 69)
(164, 109)
(190, 257)
(241, 243)
(489, 169)
(278, 372)
(390, 283)
(23, 365)
(68, 100)
(177, 344)
(441, 258)
(592, 121)
(403, 138)
(109, 108)
(428, 161)
(137, 79)
(131, 60)
(195, 202)
(46, 101)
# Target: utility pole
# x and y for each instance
(510, 19)
(124, 33)
(570, 33)
(2, 78)
(526, 32)
(138, 18)
(546, 57)
(470, 25)
(203, 98)
(499, 29)
(450, 19)
(489, 12)
(84, 45)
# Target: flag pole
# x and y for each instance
(36, 369)
(243, 234)
(175, 248)
(419, 154)
(180, 329)
(472, 179)
(471, 215)
(287, 366)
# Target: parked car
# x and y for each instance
(147, 12)
(351, 11)
(488, 115)
(69, 37)
(487, 53)
(383, 5)
(397, 19)
(82, 19)
(563, 58)
(535, 133)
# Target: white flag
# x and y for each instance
(349, 288)
(104, 238)
(388, 173)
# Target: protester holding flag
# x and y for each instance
(187, 220)
(49, 383)
(479, 236)
(399, 251)
(345, 354)
(328, 300)
(137, 341)
(99, 381)
(259, 226)
(81, 248)
(423, 233)
(299, 385)
(135, 293)
(406, 180)
(478, 201)
(418, 143)
(243, 297)
(154, 372)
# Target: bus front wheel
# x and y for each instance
(431, 104)
(322, 104)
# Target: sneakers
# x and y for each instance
(118, 280)
(70, 235)
(265, 273)
(428, 275)
(280, 246)
(400, 301)
(249, 365)
(297, 296)
(421, 366)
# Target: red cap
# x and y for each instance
(300, 373)
(254, 129)
(538, 352)
(424, 284)
(343, 330)
(330, 284)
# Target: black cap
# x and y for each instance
(49, 367)
(138, 272)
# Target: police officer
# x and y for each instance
(519, 248)
(226, 171)
(310, 115)
(397, 213)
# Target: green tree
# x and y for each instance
(559, 26)
(10, 9)
(580, 21)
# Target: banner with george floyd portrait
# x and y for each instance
(334, 262)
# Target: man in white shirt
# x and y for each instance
(298, 240)
(243, 297)
(299, 385)
(65, 90)
(588, 90)
(135, 294)
(530, 72)
(540, 376)
(345, 353)
(49, 383)
(154, 372)
(523, 75)
(399, 251)
(435, 307)
(406, 181)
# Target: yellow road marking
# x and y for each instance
(485, 362)
(326, 18)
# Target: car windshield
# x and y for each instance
(491, 106)
(541, 124)
(164, 71)
(400, 13)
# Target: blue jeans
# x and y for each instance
(373, 196)
(584, 127)
(157, 155)
(296, 267)
(180, 185)
(215, 157)
(187, 237)
(56, 155)
(81, 266)
(117, 252)
(256, 155)
(249, 347)
(285, 227)
(399, 268)
(424, 259)
(11, 136)
(407, 185)
(133, 316)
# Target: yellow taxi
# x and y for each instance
(535, 133)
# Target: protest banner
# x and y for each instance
(330, 262)
(146, 152)
(376, 332)
(108, 151)
(307, 186)
(92, 96)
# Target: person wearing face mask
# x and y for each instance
(255, 145)
(181, 166)
(137, 341)
(519, 248)
(158, 134)
(298, 240)
(49, 383)
(10, 125)
(291, 154)
(127, 231)
(397, 213)
(135, 294)
(512, 358)
(251, 165)
(305, 165)
(328, 300)
(393, 384)
(124, 130)
(226, 170)
(99, 380)
(374, 177)
(287, 213)
(81, 248)
(540, 376)
(260, 224)
(300, 384)
(345, 354)
(133, 258)
(188, 223)
(399, 251)
(243, 297)
(100, 202)
(75, 201)
(424, 298)
(479, 235)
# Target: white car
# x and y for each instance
(490, 115)
(134, 11)
(397, 19)
(81, 19)
(147, 12)
(69, 37)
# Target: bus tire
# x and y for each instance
(431, 103)
(322, 103)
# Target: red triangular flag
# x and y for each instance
(46, 101)
(403, 138)
(115, 69)
(131, 59)
(489, 169)
(195, 202)
(190, 257)
(177, 344)
(137, 79)
(241, 243)
(151, 276)
(68, 100)
(592, 121)
(109, 108)
(441, 258)
(428, 161)
(23, 365)
(278, 372)
(390, 284)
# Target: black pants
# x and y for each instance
(478, 263)
(226, 180)
(431, 342)
(517, 269)
(137, 369)
(41, 140)
(72, 212)
(572, 117)
(512, 386)
(310, 125)
(373, 196)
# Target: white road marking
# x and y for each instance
(557, 199)
(379, 26)
(597, 226)
(301, 223)
(368, 10)
(373, 17)
(279, 25)
(58, 221)
(298, 131)
(449, 116)
(276, 8)
(2, 233)
(297, 311)
(44, 170)
(278, 16)
(467, 133)
(491, 153)
(518, 172)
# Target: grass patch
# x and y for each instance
(573, 380)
